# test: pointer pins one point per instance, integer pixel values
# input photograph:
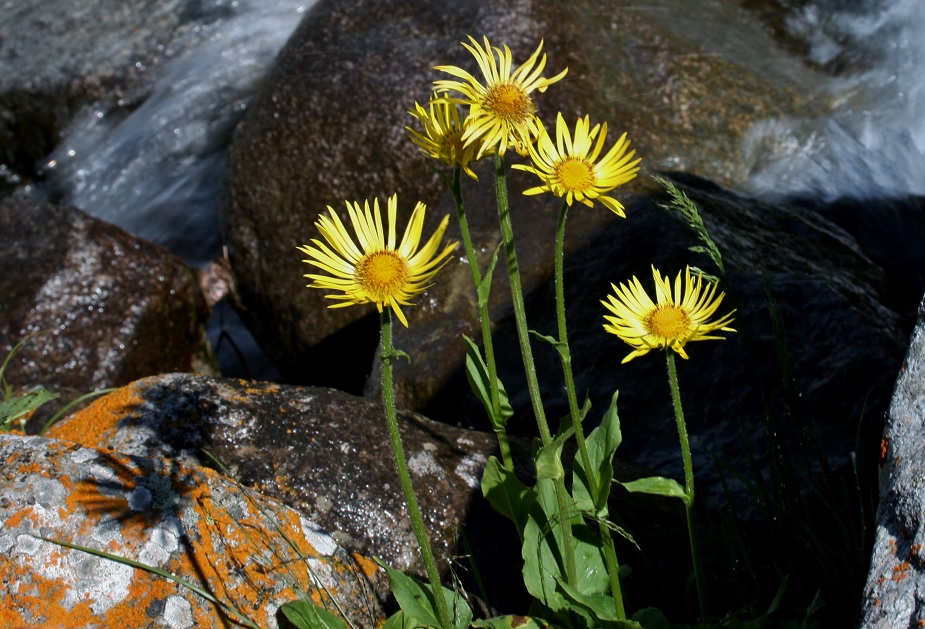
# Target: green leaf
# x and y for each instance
(542, 552)
(508, 622)
(549, 457)
(602, 444)
(600, 607)
(657, 486)
(651, 618)
(304, 614)
(401, 620)
(504, 491)
(479, 382)
(14, 408)
(416, 599)
(484, 287)
(561, 347)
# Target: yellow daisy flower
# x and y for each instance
(501, 112)
(443, 132)
(570, 168)
(671, 321)
(374, 270)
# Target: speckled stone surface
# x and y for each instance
(248, 551)
(321, 451)
(894, 595)
(106, 307)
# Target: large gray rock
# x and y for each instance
(105, 308)
(248, 551)
(330, 126)
(893, 592)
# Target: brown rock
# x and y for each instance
(330, 126)
(105, 307)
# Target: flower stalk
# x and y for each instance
(526, 352)
(610, 553)
(504, 446)
(688, 482)
(404, 478)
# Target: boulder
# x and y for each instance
(102, 307)
(323, 452)
(826, 364)
(249, 552)
(329, 127)
(895, 578)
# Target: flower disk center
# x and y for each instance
(510, 102)
(575, 175)
(668, 322)
(382, 273)
(453, 145)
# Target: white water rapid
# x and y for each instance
(872, 143)
(156, 170)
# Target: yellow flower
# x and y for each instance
(669, 323)
(375, 271)
(443, 132)
(570, 168)
(501, 112)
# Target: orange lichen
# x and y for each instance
(244, 558)
(93, 425)
(366, 565)
(900, 571)
(884, 448)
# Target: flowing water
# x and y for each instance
(156, 170)
(872, 143)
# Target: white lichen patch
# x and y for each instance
(47, 492)
(178, 613)
(424, 464)
(469, 469)
(163, 541)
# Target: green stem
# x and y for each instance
(533, 386)
(484, 321)
(610, 553)
(404, 478)
(688, 481)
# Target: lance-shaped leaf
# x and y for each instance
(591, 488)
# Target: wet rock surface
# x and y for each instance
(892, 592)
(320, 451)
(104, 307)
(313, 139)
(248, 551)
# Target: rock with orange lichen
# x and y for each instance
(896, 577)
(248, 551)
(321, 451)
